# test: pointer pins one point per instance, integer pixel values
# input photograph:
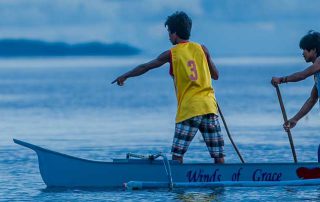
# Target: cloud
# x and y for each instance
(266, 26)
(61, 12)
(140, 22)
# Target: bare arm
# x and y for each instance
(143, 68)
(213, 70)
(298, 76)
(307, 106)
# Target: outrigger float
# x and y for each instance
(61, 170)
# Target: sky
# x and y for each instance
(226, 27)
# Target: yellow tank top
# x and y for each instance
(192, 79)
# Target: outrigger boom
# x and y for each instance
(61, 170)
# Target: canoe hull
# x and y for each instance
(60, 170)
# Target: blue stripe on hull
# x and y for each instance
(133, 185)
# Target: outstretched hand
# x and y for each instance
(276, 81)
(120, 80)
(289, 124)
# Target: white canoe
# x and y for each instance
(61, 170)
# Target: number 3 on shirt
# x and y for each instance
(193, 68)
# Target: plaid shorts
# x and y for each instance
(211, 132)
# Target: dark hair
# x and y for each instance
(179, 23)
(311, 41)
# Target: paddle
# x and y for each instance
(284, 114)
(229, 135)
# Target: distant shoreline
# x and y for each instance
(10, 48)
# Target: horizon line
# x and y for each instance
(119, 61)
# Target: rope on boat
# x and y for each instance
(168, 170)
(165, 160)
(149, 157)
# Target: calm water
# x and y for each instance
(69, 105)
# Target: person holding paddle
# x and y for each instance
(192, 69)
(310, 44)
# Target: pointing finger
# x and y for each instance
(114, 81)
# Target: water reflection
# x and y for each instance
(193, 195)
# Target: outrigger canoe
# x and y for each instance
(61, 170)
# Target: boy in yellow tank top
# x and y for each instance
(192, 69)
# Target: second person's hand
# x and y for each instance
(289, 124)
(276, 81)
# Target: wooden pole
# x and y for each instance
(285, 118)
(229, 135)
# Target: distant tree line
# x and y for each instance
(26, 47)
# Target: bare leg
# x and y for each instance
(219, 160)
(177, 158)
